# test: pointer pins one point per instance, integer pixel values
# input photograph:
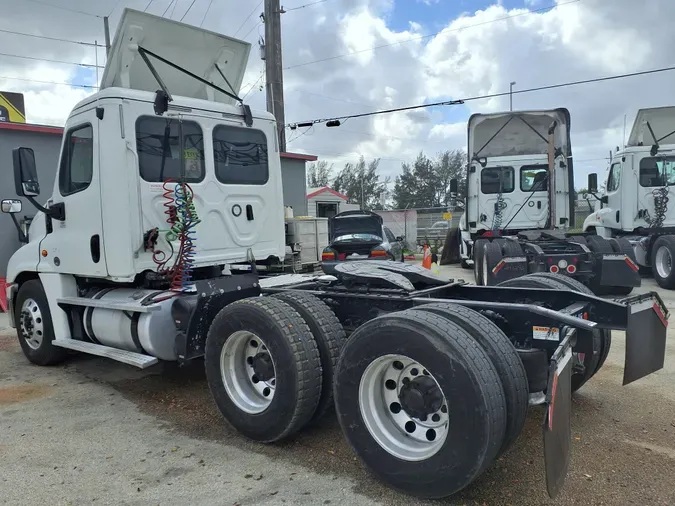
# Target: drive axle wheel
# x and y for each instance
(420, 403)
(403, 407)
(263, 368)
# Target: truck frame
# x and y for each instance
(421, 371)
(520, 204)
(634, 209)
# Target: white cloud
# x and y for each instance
(476, 54)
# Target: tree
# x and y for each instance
(318, 174)
(361, 183)
(426, 183)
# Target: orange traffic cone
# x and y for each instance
(426, 259)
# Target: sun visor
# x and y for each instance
(662, 121)
(517, 133)
(194, 49)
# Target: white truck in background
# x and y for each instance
(635, 206)
(520, 205)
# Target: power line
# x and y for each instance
(303, 6)
(421, 37)
(52, 61)
(482, 97)
(52, 38)
(205, 13)
(262, 74)
(247, 33)
(168, 7)
(175, 4)
(247, 17)
(114, 7)
(188, 10)
(72, 85)
(65, 8)
(148, 6)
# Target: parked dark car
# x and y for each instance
(360, 235)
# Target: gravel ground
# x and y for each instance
(92, 431)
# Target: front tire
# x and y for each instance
(404, 437)
(263, 368)
(663, 256)
(34, 325)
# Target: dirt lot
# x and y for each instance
(96, 432)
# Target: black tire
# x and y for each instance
(512, 248)
(599, 244)
(556, 282)
(667, 242)
(623, 247)
(329, 335)
(504, 357)
(492, 255)
(298, 379)
(34, 316)
(478, 250)
(467, 379)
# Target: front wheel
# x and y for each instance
(663, 253)
(34, 325)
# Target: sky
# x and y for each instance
(350, 56)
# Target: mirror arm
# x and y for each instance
(56, 211)
(22, 236)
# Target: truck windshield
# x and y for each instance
(657, 171)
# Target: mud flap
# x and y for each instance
(509, 268)
(645, 339)
(557, 421)
(619, 270)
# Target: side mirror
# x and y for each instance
(11, 206)
(25, 173)
(453, 185)
(400, 238)
(593, 183)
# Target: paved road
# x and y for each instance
(96, 432)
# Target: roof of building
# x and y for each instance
(313, 192)
(46, 129)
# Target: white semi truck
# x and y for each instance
(636, 207)
(168, 184)
(520, 206)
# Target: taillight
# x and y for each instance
(378, 253)
(571, 268)
(488, 233)
(554, 269)
(328, 255)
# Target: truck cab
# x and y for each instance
(517, 161)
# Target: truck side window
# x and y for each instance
(240, 155)
(77, 160)
(158, 146)
(614, 178)
(529, 175)
(657, 171)
(497, 180)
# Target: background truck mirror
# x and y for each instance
(11, 206)
(25, 173)
(453, 185)
(593, 183)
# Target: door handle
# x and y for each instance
(249, 212)
(538, 204)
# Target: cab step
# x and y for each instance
(127, 357)
(106, 304)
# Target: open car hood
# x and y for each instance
(517, 133)
(662, 121)
(192, 48)
(359, 228)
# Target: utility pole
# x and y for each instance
(273, 67)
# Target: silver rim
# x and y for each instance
(248, 372)
(31, 324)
(389, 389)
(664, 262)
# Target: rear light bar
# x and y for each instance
(378, 253)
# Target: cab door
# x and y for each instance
(75, 244)
(613, 193)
